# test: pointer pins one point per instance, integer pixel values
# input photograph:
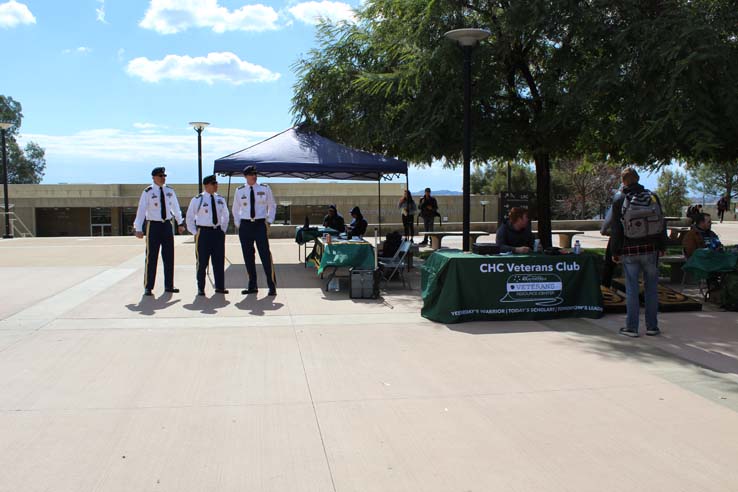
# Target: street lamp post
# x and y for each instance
(288, 213)
(484, 203)
(4, 125)
(199, 126)
(467, 39)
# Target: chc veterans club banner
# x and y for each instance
(461, 287)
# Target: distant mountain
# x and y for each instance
(436, 192)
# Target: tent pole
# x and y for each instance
(379, 202)
(228, 197)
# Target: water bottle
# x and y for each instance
(577, 247)
(333, 285)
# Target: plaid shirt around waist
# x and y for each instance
(640, 249)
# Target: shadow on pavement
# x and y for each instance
(207, 305)
(148, 305)
(258, 307)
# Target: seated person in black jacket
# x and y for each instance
(515, 235)
(358, 225)
(334, 220)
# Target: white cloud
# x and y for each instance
(147, 126)
(82, 50)
(112, 145)
(100, 12)
(216, 67)
(173, 16)
(312, 12)
(13, 13)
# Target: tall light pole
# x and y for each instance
(4, 125)
(467, 39)
(199, 126)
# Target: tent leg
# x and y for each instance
(379, 202)
(228, 196)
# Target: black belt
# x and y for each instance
(208, 227)
(253, 220)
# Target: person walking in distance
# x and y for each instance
(722, 206)
(207, 220)
(254, 209)
(638, 240)
(157, 206)
(428, 211)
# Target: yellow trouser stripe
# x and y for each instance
(146, 265)
(197, 251)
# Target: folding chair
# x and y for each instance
(390, 267)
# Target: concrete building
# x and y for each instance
(109, 209)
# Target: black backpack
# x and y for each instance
(391, 244)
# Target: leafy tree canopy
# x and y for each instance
(27, 165)
(628, 80)
(672, 191)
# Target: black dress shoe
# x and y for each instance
(272, 292)
(250, 291)
(147, 292)
(173, 289)
(221, 291)
(200, 292)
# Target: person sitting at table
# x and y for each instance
(515, 235)
(700, 235)
(358, 225)
(334, 220)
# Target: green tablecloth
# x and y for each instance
(303, 236)
(704, 262)
(358, 254)
(459, 287)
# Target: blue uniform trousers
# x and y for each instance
(210, 247)
(159, 235)
(256, 231)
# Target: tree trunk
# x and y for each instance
(543, 190)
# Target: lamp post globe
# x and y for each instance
(484, 204)
(4, 126)
(467, 38)
(199, 126)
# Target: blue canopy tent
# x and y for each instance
(296, 153)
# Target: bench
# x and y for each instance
(565, 237)
(676, 235)
(676, 262)
(437, 237)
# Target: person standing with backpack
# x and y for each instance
(639, 239)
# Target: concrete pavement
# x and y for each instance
(104, 389)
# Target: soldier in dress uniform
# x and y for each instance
(157, 206)
(254, 209)
(207, 220)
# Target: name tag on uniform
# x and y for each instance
(260, 193)
(169, 194)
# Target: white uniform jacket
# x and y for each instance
(266, 207)
(149, 207)
(199, 212)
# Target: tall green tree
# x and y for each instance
(618, 78)
(715, 179)
(584, 187)
(491, 179)
(672, 191)
(25, 165)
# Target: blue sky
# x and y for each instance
(108, 86)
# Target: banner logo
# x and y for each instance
(539, 289)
